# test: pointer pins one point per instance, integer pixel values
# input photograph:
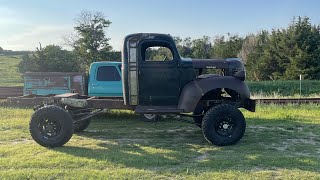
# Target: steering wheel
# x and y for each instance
(165, 58)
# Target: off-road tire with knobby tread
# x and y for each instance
(55, 114)
(223, 125)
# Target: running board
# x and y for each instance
(157, 109)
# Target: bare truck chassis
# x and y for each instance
(173, 85)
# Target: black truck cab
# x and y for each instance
(151, 82)
(174, 81)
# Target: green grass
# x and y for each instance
(281, 142)
(9, 75)
(284, 88)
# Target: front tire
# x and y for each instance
(223, 125)
(149, 117)
(51, 126)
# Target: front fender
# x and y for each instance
(194, 90)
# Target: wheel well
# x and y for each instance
(217, 96)
(221, 93)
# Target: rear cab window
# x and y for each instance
(108, 73)
(158, 51)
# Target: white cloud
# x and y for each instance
(18, 33)
(29, 39)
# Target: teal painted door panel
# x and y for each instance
(106, 89)
(105, 79)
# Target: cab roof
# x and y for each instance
(110, 63)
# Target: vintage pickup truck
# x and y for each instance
(153, 83)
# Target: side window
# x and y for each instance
(108, 73)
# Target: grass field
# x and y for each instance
(285, 88)
(9, 75)
(281, 142)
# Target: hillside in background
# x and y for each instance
(9, 75)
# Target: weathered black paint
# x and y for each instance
(210, 63)
(159, 80)
(193, 91)
(178, 82)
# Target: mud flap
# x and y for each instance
(250, 105)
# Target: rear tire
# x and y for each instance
(223, 125)
(51, 126)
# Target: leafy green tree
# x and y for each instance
(285, 53)
(90, 42)
(264, 61)
(29, 63)
(50, 59)
(201, 47)
(302, 45)
(158, 54)
(226, 47)
(249, 45)
(184, 46)
(111, 56)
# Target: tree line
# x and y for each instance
(277, 54)
(4, 52)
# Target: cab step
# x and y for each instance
(157, 109)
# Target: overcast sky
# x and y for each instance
(23, 24)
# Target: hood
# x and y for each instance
(233, 63)
(231, 67)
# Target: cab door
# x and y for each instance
(159, 75)
(107, 82)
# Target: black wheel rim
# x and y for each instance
(149, 116)
(49, 128)
(225, 126)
